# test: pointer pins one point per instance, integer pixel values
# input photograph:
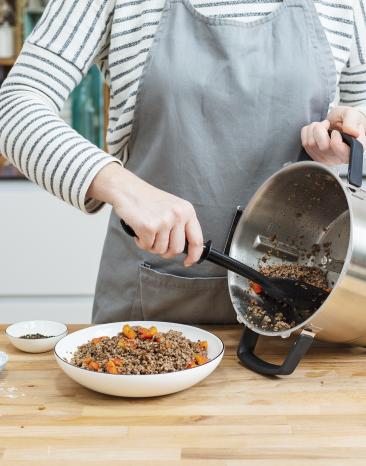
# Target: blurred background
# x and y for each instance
(40, 236)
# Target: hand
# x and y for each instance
(332, 150)
(162, 222)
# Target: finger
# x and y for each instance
(161, 242)
(145, 238)
(335, 118)
(352, 119)
(321, 136)
(339, 148)
(362, 135)
(304, 136)
(310, 137)
(362, 140)
(311, 146)
(177, 241)
(195, 242)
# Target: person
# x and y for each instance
(207, 100)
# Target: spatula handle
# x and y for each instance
(216, 257)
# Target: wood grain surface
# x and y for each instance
(317, 416)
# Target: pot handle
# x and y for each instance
(247, 357)
(354, 176)
(355, 165)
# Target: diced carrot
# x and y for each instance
(97, 340)
(94, 366)
(256, 288)
(200, 359)
(328, 290)
(111, 367)
(147, 333)
(203, 345)
(87, 360)
(143, 333)
(129, 332)
(117, 361)
(191, 364)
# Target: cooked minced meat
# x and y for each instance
(139, 350)
(276, 323)
(308, 274)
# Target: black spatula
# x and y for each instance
(285, 294)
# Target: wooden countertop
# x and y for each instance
(317, 416)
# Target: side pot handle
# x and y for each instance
(354, 176)
(247, 357)
(355, 165)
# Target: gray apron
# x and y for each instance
(219, 109)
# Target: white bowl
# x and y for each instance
(54, 330)
(3, 360)
(137, 385)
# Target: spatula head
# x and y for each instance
(300, 296)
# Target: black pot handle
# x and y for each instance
(246, 354)
(355, 165)
(354, 176)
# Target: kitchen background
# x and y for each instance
(52, 274)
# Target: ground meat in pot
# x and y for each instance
(257, 316)
(138, 350)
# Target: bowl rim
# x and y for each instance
(65, 331)
(140, 375)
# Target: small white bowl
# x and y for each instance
(137, 385)
(53, 330)
(3, 360)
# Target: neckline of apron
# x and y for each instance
(217, 21)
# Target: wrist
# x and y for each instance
(109, 184)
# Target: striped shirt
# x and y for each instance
(117, 35)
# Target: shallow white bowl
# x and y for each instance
(56, 331)
(137, 385)
(3, 360)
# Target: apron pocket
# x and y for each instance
(172, 298)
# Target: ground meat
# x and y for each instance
(308, 274)
(137, 350)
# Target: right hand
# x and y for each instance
(162, 222)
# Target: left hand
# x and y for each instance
(332, 150)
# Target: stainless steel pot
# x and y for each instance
(302, 205)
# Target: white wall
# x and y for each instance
(49, 255)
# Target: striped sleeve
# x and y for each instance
(352, 84)
(53, 61)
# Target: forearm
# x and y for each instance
(36, 140)
(109, 184)
(117, 186)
